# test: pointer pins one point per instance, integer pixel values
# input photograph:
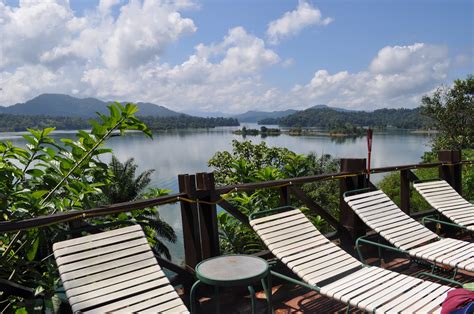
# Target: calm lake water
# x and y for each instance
(187, 151)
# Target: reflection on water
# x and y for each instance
(187, 151)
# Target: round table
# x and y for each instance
(233, 270)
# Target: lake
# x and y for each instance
(187, 152)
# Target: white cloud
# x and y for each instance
(397, 77)
(291, 23)
(47, 48)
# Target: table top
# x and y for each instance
(232, 270)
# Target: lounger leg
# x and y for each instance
(252, 296)
(192, 297)
(267, 287)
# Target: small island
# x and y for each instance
(347, 130)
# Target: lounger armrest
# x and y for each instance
(353, 192)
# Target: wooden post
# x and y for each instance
(452, 172)
(285, 199)
(190, 221)
(405, 191)
(208, 230)
(347, 217)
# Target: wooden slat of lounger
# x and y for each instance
(278, 226)
(417, 306)
(106, 291)
(460, 256)
(365, 273)
(347, 294)
(448, 203)
(375, 208)
(94, 237)
(97, 243)
(432, 184)
(325, 274)
(169, 306)
(438, 196)
(96, 285)
(431, 248)
(381, 215)
(443, 208)
(308, 258)
(122, 304)
(275, 217)
(416, 300)
(314, 251)
(381, 200)
(264, 225)
(356, 286)
(303, 246)
(277, 237)
(409, 227)
(100, 251)
(322, 263)
(267, 236)
(385, 292)
(446, 248)
(137, 289)
(409, 235)
(178, 309)
(368, 197)
(71, 284)
(433, 305)
(417, 242)
(405, 298)
(466, 219)
(147, 304)
(86, 263)
(106, 266)
(292, 240)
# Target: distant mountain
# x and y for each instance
(207, 114)
(255, 116)
(57, 105)
(333, 108)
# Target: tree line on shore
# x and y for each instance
(16, 123)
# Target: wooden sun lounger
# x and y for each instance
(328, 269)
(381, 214)
(114, 271)
(445, 199)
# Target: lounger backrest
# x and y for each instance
(293, 239)
(381, 214)
(114, 271)
(447, 201)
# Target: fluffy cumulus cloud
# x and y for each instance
(396, 77)
(291, 23)
(114, 52)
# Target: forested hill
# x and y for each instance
(330, 118)
(59, 105)
(14, 123)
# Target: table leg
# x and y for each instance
(192, 297)
(267, 287)
(216, 294)
(252, 295)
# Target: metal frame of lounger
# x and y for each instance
(114, 271)
(407, 235)
(329, 270)
(447, 201)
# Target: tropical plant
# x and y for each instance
(452, 111)
(48, 177)
(125, 186)
(255, 163)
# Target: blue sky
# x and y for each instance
(351, 54)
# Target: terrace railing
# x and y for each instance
(199, 197)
